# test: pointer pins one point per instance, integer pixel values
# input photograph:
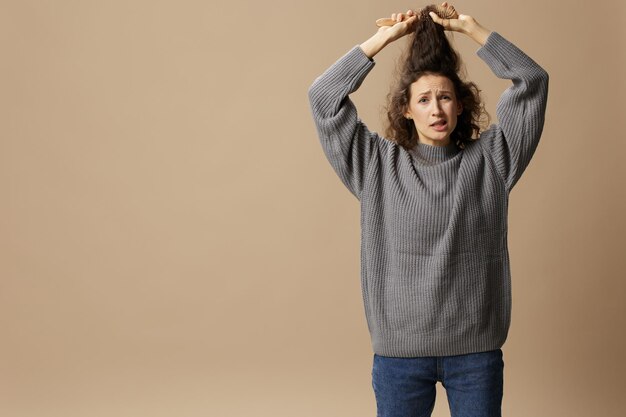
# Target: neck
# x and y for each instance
(444, 142)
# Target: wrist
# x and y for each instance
(477, 32)
(375, 43)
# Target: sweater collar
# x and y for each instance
(432, 154)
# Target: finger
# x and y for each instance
(444, 4)
(400, 17)
(436, 18)
(409, 20)
(439, 20)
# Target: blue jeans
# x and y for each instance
(405, 387)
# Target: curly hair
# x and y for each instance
(430, 52)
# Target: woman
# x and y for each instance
(435, 269)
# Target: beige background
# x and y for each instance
(173, 241)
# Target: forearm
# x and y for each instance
(405, 24)
(375, 44)
(477, 32)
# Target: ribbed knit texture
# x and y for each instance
(435, 271)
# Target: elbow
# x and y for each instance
(313, 94)
(314, 89)
(540, 80)
(543, 77)
(544, 82)
(539, 75)
(319, 99)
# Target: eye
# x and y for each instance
(446, 97)
(422, 100)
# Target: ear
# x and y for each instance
(459, 108)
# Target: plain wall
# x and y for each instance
(173, 241)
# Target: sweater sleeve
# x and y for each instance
(347, 142)
(520, 111)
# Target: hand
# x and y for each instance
(464, 24)
(461, 24)
(405, 23)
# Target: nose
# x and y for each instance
(436, 108)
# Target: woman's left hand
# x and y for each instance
(465, 24)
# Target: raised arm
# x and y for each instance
(345, 139)
(521, 108)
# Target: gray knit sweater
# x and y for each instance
(435, 272)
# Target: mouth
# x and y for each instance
(439, 125)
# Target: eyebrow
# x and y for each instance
(440, 91)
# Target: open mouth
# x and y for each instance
(439, 125)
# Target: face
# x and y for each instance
(434, 108)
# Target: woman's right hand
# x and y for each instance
(405, 25)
